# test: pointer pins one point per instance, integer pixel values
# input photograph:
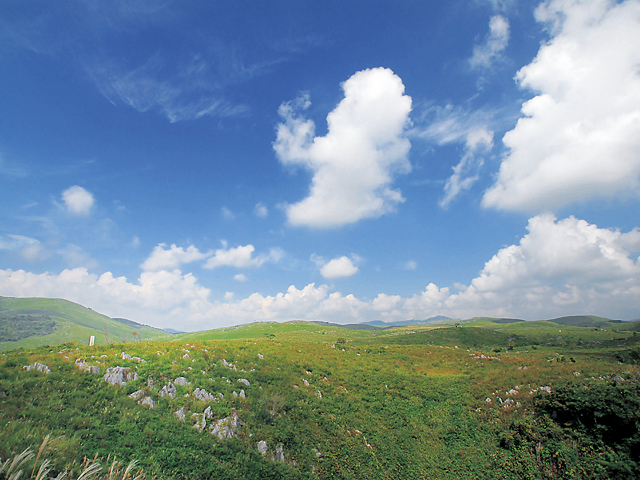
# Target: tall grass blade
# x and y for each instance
(43, 471)
(17, 462)
(130, 467)
(43, 445)
(92, 470)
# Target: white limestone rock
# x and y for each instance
(227, 427)
(168, 390)
(119, 376)
(40, 367)
(203, 395)
(148, 401)
(181, 381)
(262, 447)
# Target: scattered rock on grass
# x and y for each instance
(119, 376)
(40, 367)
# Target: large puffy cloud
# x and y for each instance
(560, 267)
(158, 298)
(579, 138)
(77, 200)
(354, 164)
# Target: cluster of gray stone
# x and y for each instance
(119, 376)
(202, 395)
(277, 455)
(227, 427)
(40, 367)
(143, 398)
(84, 366)
(126, 356)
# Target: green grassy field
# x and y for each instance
(481, 400)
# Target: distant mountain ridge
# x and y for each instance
(349, 326)
(28, 322)
(406, 323)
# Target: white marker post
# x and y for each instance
(92, 339)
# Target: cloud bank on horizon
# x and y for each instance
(392, 201)
(595, 268)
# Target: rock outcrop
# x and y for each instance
(227, 427)
(278, 455)
(148, 401)
(180, 413)
(181, 381)
(201, 419)
(262, 447)
(168, 390)
(40, 367)
(119, 376)
(84, 366)
(203, 395)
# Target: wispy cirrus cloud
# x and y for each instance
(466, 173)
(27, 248)
(488, 52)
(473, 128)
(180, 92)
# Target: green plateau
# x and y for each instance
(483, 398)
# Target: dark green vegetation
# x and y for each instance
(31, 322)
(16, 326)
(481, 399)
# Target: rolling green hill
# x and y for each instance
(29, 322)
(481, 400)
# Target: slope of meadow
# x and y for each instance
(31, 322)
(507, 400)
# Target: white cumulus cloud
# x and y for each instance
(77, 200)
(171, 258)
(242, 257)
(560, 267)
(555, 262)
(338, 268)
(354, 164)
(579, 138)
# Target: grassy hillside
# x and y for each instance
(501, 400)
(29, 322)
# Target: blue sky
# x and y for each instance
(195, 165)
